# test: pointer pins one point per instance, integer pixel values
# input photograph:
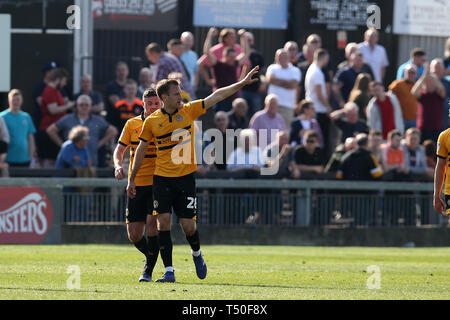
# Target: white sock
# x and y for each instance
(169, 269)
(196, 253)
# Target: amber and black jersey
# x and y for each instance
(173, 135)
(130, 138)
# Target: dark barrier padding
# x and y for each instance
(276, 235)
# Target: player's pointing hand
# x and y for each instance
(248, 79)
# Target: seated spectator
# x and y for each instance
(267, 120)
(347, 120)
(375, 142)
(247, 156)
(101, 132)
(414, 155)
(86, 89)
(418, 60)
(384, 112)
(145, 81)
(219, 150)
(74, 152)
(127, 108)
(237, 118)
(114, 89)
(335, 160)
(284, 80)
(190, 57)
(21, 147)
(305, 122)
(430, 155)
(394, 164)
(346, 77)
(361, 95)
(225, 68)
(4, 141)
(430, 92)
(279, 154)
(408, 102)
(309, 159)
(227, 39)
(178, 76)
(360, 164)
(53, 108)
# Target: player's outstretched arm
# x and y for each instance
(138, 159)
(223, 93)
(439, 175)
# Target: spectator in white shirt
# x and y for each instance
(247, 155)
(316, 92)
(284, 80)
(374, 54)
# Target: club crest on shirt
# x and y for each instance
(179, 118)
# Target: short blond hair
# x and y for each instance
(14, 92)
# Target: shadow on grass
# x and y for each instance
(58, 290)
(270, 286)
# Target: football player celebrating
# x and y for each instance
(140, 208)
(172, 129)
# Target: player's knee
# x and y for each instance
(189, 229)
(134, 237)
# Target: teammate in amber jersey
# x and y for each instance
(172, 128)
(443, 154)
(140, 208)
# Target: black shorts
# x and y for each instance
(46, 147)
(3, 147)
(177, 194)
(141, 206)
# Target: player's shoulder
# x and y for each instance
(445, 134)
(135, 122)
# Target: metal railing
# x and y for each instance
(267, 202)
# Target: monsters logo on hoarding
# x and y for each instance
(25, 215)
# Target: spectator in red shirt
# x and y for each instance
(430, 92)
(226, 68)
(384, 112)
(53, 108)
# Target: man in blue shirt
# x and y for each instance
(418, 58)
(74, 152)
(190, 58)
(21, 148)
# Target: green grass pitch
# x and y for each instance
(234, 272)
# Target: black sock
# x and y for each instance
(194, 241)
(142, 246)
(165, 247)
(153, 252)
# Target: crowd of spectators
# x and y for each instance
(323, 119)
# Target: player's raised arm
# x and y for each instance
(223, 93)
